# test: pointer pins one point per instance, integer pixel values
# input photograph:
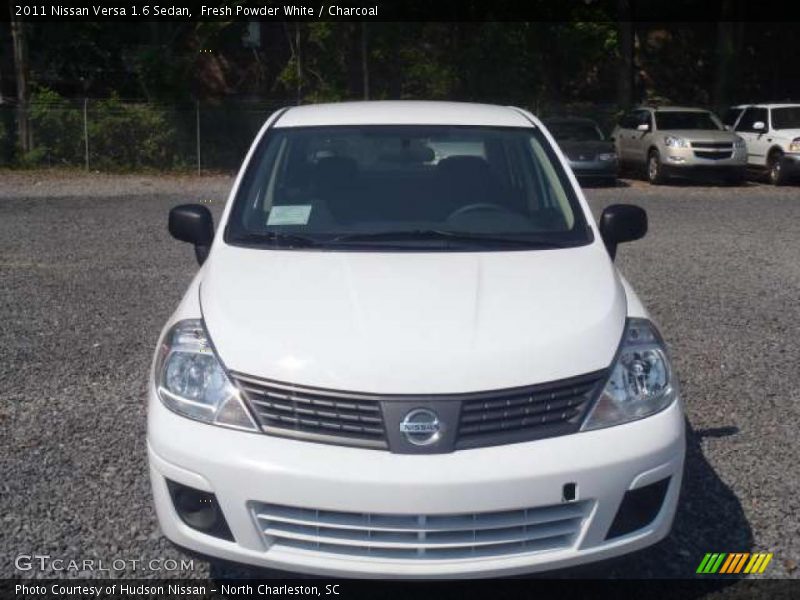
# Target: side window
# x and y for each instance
(730, 116)
(642, 117)
(646, 118)
(751, 116)
(762, 114)
(746, 122)
(628, 121)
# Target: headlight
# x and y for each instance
(794, 145)
(641, 381)
(607, 156)
(675, 142)
(739, 143)
(191, 381)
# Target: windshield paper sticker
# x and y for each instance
(296, 214)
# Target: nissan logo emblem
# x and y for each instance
(421, 427)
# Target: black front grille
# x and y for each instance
(316, 415)
(712, 155)
(360, 419)
(522, 414)
(722, 145)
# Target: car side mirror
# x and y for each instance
(193, 223)
(759, 126)
(643, 127)
(622, 223)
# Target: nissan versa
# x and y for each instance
(408, 353)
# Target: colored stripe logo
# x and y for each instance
(735, 562)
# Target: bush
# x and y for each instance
(121, 135)
(57, 130)
(131, 136)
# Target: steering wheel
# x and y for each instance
(476, 206)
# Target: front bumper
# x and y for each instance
(243, 468)
(600, 169)
(685, 163)
(790, 164)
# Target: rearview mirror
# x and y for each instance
(193, 223)
(622, 223)
(759, 126)
(643, 127)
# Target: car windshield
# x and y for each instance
(786, 118)
(684, 119)
(574, 131)
(406, 187)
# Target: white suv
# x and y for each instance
(772, 134)
(408, 353)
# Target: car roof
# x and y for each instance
(769, 105)
(569, 120)
(402, 112)
(676, 108)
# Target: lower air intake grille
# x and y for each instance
(713, 155)
(420, 536)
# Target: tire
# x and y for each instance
(655, 170)
(775, 172)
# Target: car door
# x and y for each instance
(756, 139)
(622, 135)
(640, 138)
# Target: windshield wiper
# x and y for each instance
(289, 240)
(439, 234)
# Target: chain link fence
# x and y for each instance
(113, 135)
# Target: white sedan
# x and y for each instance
(408, 353)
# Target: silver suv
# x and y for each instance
(676, 141)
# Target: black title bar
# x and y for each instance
(68, 11)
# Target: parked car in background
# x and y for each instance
(677, 141)
(772, 135)
(590, 155)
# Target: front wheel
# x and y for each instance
(775, 170)
(655, 170)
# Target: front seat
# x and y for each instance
(334, 182)
(463, 180)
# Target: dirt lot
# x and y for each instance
(88, 275)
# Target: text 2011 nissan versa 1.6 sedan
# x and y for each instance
(408, 353)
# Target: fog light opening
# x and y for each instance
(639, 508)
(199, 510)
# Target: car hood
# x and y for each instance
(573, 149)
(702, 135)
(789, 134)
(413, 322)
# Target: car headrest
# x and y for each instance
(464, 179)
(335, 171)
(457, 166)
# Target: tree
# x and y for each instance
(21, 69)
(625, 63)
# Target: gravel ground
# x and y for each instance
(88, 275)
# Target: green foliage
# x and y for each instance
(57, 130)
(131, 136)
(121, 135)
